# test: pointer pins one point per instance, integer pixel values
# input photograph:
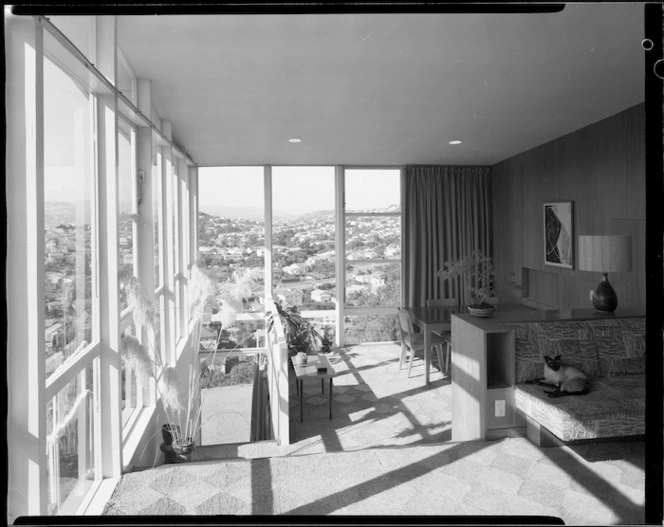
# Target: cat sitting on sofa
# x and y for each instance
(566, 380)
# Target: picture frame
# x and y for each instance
(558, 234)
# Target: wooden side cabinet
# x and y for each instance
(483, 375)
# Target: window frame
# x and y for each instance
(86, 354)
(131, 414)
(342, 261)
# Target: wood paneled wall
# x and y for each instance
(601, 168)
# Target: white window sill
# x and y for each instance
(101, 497)
(135, 437)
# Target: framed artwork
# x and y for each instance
(558, 239)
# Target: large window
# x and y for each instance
(70, 291)
(75, 194)
(127, 206)
(303, 202)
(372, 262)
(72, 314)
(70, 428)
(232, 248)
(304, 252)
(133, 388)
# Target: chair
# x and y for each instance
(445, 335)
(414, 342)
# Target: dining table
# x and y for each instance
(429, 320)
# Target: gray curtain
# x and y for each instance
(447, 214)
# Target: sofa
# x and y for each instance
(611, 352)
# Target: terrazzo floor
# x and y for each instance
(388, 451)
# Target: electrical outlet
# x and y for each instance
(591, 295)
(500, 408)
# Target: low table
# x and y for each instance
(310, 371)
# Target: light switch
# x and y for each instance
(500, 408)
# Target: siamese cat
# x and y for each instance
(567, 380)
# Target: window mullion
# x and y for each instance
(267, 214)
(340, 252)
(58, 380)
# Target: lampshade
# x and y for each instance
(606, 254)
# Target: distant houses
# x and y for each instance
(295, 269)
(393, 251)
(208, 339)
(320, 295)
(374, 280)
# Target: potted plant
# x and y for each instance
(301, 336)
(182, 405)
(479, 269)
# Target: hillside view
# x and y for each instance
(304, 269)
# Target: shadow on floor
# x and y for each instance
(374, 403)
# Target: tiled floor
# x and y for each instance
(374, 404)
(387, 451)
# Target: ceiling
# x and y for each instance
(386, 89)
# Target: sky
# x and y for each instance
(297, 190)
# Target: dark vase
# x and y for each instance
(167, 433)
(185, 449)
(183, 452)
(604, 297)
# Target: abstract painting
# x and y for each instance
(558, 241)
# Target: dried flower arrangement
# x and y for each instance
(183, 410)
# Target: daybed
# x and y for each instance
(611, 352)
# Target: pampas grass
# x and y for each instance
(229, 310)
(171, 391)
(180, 397)
(203, 292)
(136, 357)
(233, 295)
(141, 309)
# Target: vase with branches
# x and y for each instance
(181, 402)
(478, 268)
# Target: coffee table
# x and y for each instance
(310, 371)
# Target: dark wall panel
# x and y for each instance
(601, 168)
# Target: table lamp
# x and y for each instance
(605, 254)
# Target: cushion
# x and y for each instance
(620, 345)
(529, 360)
(614, 407)
(573, 340)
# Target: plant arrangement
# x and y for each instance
(181, 403)
(301, 336)
(478, 267)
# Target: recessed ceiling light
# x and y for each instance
(455, 142)
(295, 140)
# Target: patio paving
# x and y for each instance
(387, 451)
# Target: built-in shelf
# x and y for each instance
(482, 379)
(497, 385)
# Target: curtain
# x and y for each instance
(447, 214)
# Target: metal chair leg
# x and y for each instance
(410, 362)
(403, 355)
(447, 359)
(439, 354)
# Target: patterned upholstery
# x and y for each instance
(610, 352)
(614, 407)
